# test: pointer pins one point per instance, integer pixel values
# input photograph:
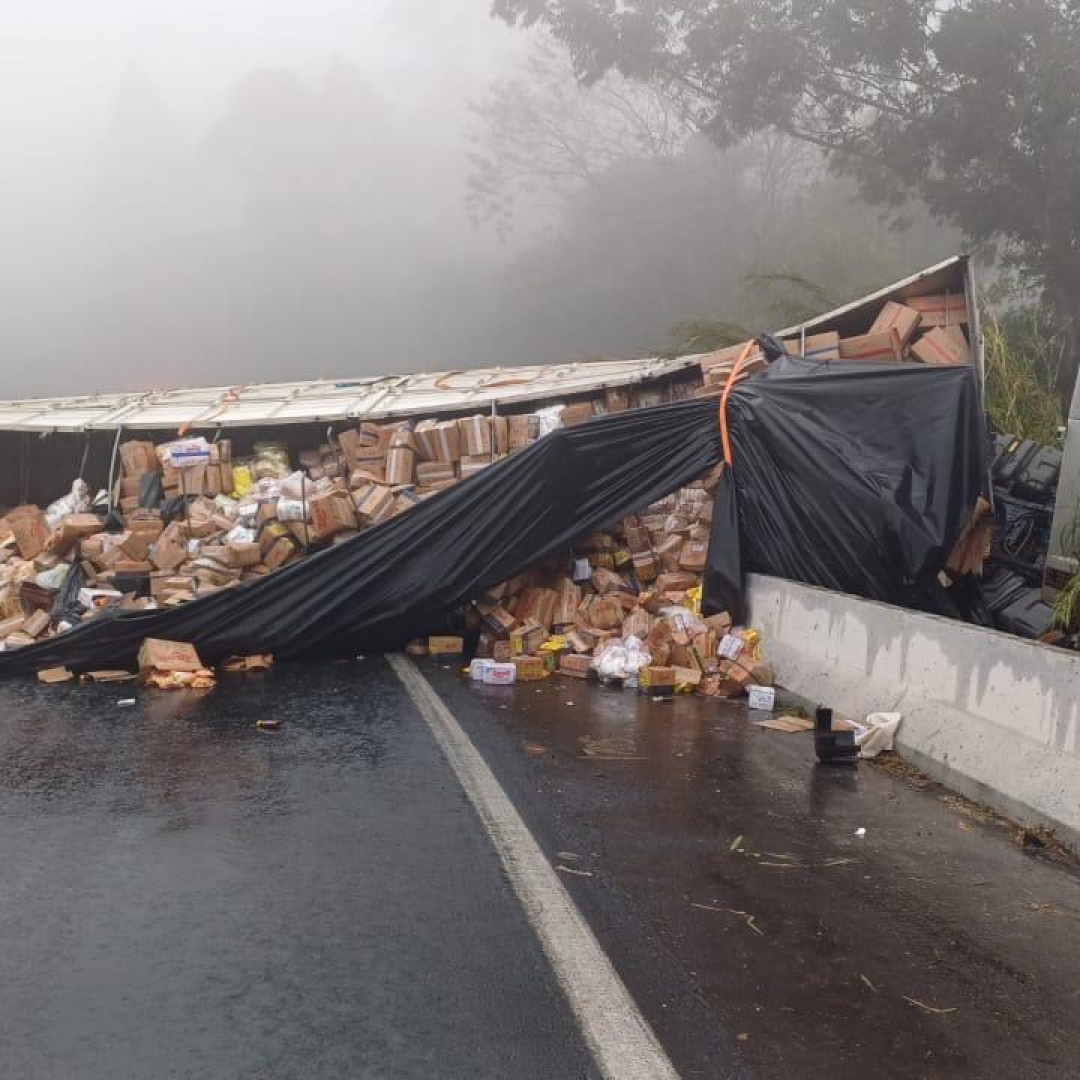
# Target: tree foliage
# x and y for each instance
(973, 106)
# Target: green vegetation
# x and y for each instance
(1067, 605)
(1020, 398)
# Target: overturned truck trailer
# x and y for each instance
(855, 463)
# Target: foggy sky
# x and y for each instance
(214, 192)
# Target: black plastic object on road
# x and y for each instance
(833, 747)
(852, 476)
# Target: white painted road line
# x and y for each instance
(621, 1042)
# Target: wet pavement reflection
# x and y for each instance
(183, 894)
(727, 873)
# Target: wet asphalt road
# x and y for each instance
(759, 935)
(184, 896)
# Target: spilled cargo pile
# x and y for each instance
(187, 519)
(624, 606)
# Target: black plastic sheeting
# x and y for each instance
(857, 477)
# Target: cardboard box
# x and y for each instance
(694, 555)
(401, 459)
(668, 550)
(351, 443)
(447, 441)
(943, 345)
(538, 605)
(280, 551)
(617, 398)
(498, 674)
(500, 434)
(212, 485)
(580, 413)
(435, 472)
(330, 513)
(522, 430)
(527, 637)
(36, 623)
(55, 675)
(502, 652)
(815, 346)
(163, 586)
(893, 316)
(645, 568)
(883, 346)
(471, 465)
(576, 666)
(475, 435)
(138, 458)
(688, 676)
(374, 504)
(138, 543)
(944, 309)
(30, 529)
(443, 645)
(567, 602)
(240, 554)
(530, 668)
(72, 529)
(499, 621)
(157, 655)
(761, 697)
(655, 676)
(426, 444)
(603, 613)
(171, 548)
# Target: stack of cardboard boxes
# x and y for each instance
(195, 519)
(918, 329)
(640, 578)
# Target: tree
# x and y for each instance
(539, 135)
(973, 106)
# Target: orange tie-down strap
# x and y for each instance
(733, 378)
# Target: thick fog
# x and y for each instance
(217, 193)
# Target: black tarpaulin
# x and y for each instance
(857, 477)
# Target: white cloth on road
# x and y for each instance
(876, 733)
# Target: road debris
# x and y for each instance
(929, 1008)
(573, 870)
(789, 724)
(744, 915)
(55, 675)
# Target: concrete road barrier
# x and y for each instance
(993, 716)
